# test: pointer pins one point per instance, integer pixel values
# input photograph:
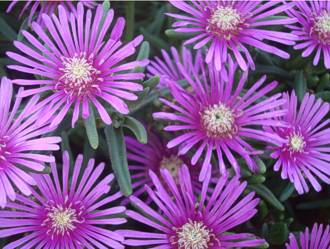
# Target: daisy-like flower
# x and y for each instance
(188, 221)
(70, 211)
(39, 8)
(156, 156)
(217, 115)
(79, 67)
(231, 26)
(318, 238)
(21, 144)
(313, 29)
(304, 153)
(166, 68)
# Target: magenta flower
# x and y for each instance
(231, 25)
(39, 8)
(65, 212)
(313, 29)
(304, 153)
(77, 65)
(319, 238)
(185, 221)
(217, 116)
(166, 68)
(155, 156)
(21, 144)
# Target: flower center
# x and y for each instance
(322, 27)
(296, 143)
(172, 164)
(194, 235)
(79, 76)
(61, 220)
(225, 22)
(218, 121)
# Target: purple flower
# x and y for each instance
(77, 65)
(313, 29)
(21, 144)
(216, 115)
(46, 7)
(156, 156)
(65, 212)
(231, 25)
(319, 238)
(186, 221)
(304, 153)
(166, 68)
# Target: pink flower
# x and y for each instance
(189, 220)
(39, 8)
(22, 143)
(230, 26)
(312, 29)
(304, 153)
(214, 116)
(65, 212)
(318, 238)
(78, 66)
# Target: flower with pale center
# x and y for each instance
(322, 26)
(79, 76)
(218, 121)
(172, 164)
(296, 143)
(61, 220)
(224, 22)
(193, 235)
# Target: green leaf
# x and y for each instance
(6, 31)
(65, 145)
(144, 51)
(152, 82)
(276, 71)
(325, 203)
(278, 233)
(91, 130)
(287, 192)
(325, 95)
(300, 84)
(171, 33)
(130, 16)
(117, 151)
(266, 194)
(154, 40)
(256, 179)
(106, 5)
(137, 128)
(262, 166)
(324, 82)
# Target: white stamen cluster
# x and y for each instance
(194, 235)
(62, 219)
(225, 22)
(172, 164)
(218, 121)
(322, 26)
(79, 76)
(296, 143)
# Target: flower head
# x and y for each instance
(65, 212)
(217, 115)
(189, 221)
(78, 66)
(21, 144)
(229, 26)
(318, 238)
(304, 153)
(313, 29)
(38, 8)
(166, 68)
(156, 156)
